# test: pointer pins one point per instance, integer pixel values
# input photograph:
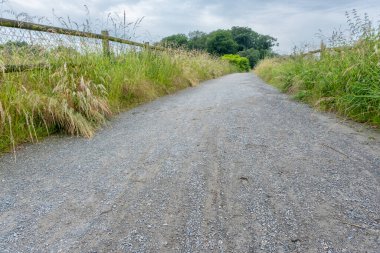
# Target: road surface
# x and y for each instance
(229, 166)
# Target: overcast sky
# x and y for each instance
(293, 22)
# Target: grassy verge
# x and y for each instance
(346, 82)
(79, 92)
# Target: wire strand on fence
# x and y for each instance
(25, 45)
(52, 29)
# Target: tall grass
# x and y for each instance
(346, 81)
(80, 91)
(77, 89)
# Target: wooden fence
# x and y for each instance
(104, 36)
(323, 48)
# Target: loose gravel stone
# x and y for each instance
(229, 166)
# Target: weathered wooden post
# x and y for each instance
(106, 44)
(146, 45)
(323, 48)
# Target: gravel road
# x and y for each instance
(229, 166)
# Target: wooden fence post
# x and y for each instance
(106, 44)
(323, 48)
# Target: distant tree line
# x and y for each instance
(237, 40)
(13, 47)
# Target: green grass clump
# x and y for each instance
(346, 81)
(78, 92)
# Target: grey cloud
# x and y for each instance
(292, 22)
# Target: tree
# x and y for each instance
(247, 38)
(221, 42)
(197, 40)
(253, 45)
(176, 41)
(244, 36)
(264, 42)
(12, 47)
(16, 44)
(242, 40)
(252, 55)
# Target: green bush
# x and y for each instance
(252, 55)
(242, 63)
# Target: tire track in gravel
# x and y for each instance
(211, 233)
(229, 166)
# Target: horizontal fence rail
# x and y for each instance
(33, 27)
(52, 29)
(324, 48)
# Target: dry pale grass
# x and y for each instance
(79, 92)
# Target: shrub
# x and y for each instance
(242, 63)
(252, 55)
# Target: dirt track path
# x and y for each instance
(229, 166)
